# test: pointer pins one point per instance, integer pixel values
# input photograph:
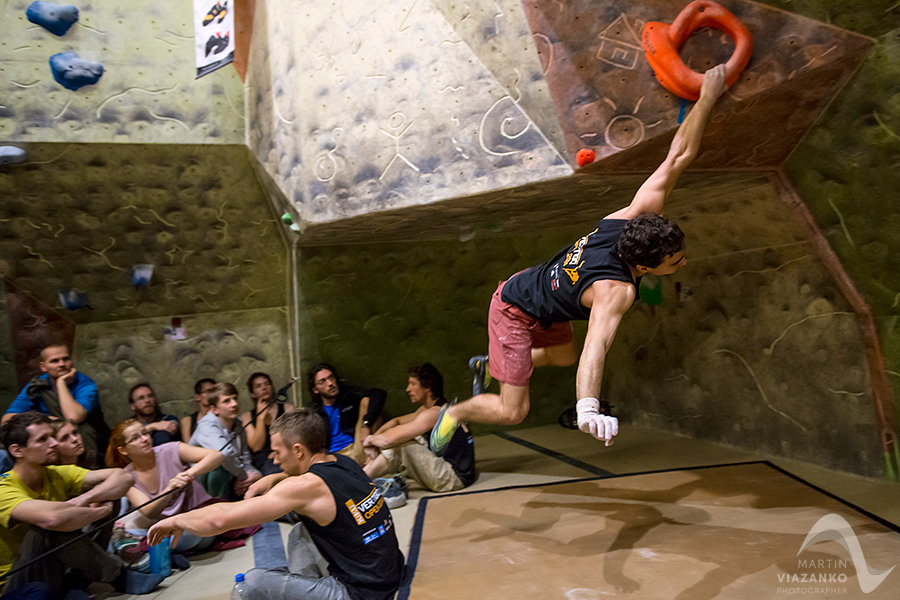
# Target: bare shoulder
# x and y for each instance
(610, 294)
(307, 485)
(308, 495)
(288, 407)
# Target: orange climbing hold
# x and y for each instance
(661, 42)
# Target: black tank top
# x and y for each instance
(260, 458)
(360, 544)
(552, 291)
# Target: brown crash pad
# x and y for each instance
(730, 531)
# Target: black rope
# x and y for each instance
(281, 394)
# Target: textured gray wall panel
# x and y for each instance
(377, 105)
(147, 93)
(226, 346)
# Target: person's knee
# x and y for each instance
(513, 414)
(514, 404)
(259, 583)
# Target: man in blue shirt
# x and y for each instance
(64, 393)
(351, 412)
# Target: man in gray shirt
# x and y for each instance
(237, 473)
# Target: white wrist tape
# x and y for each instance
(587, 407)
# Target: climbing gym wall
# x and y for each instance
(423, 151)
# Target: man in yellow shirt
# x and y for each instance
(43, 506)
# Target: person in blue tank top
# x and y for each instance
(596, 279)
(344, 520)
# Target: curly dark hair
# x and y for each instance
(648, 239)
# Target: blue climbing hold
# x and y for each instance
(54, 18)
(10, 155)
(72, 72)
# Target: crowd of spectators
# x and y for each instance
(69, 479)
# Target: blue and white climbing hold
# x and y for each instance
(73, 72)
(10, 155)
(54, 18)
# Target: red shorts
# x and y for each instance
(512, 334)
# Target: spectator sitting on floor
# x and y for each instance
(163, 428)
(351, 412)
(43, 507)
(157, 471)
(399, 446)
(257, 422)
(343, 521)
(216, 431)
(189, 423)
(69, 446)
(65, 393)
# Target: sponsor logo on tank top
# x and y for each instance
(368, 508)
(554, 277)
(573, 261)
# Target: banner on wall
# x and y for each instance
(213, 34)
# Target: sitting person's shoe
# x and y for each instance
(481, 378)
(404, 487)
(391, 491)
(443, 431)
(180, 562)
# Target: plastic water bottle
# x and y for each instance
(238, 592)
(160, 558)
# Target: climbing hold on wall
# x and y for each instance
(73, 300)
(585, 156)
(141, 275)
(10, 155)
(287, 219)
(73, 72)
(651, 290)
(661, 42)
(54, 18)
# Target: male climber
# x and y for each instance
(596, 279)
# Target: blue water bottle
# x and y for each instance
(160, 559)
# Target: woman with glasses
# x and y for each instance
(166, 472)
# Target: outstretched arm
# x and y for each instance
(420, 423)
(610, 301)
(286, 496)
(653, 193)
(103, 485)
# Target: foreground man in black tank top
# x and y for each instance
(344, 520)
(596, 279)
